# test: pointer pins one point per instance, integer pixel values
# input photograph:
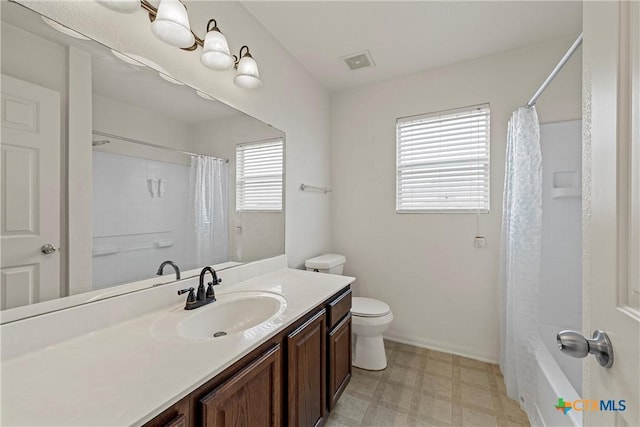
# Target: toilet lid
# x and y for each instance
(369, 307)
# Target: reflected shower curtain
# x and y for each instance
(521, 258)
(208, 228)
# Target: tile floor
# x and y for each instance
(427, 388)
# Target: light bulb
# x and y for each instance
(247, 75)
(122, 6)
(172, 24)
(215, 52)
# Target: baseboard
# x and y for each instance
(442, 347)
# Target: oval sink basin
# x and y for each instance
(236, 312)
(230, 315)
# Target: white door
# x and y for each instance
(611, 207)
(30, 184)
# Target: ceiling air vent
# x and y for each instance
(358, 60)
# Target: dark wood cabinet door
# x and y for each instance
(339, 360)
(306, 351)
(250, 398)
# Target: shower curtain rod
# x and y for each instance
(555, 71)
(148, 144)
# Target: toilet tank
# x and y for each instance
(327, 263)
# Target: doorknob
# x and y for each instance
(575, 345)
(48, 249)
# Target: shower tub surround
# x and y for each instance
(100, 364)
(560, 295)
(139, 217)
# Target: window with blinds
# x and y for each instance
(259, 168)
(443, 161)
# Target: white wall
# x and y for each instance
(46, 66)
(443, 291)
(79, 222)
(125, 120)
(290, 100)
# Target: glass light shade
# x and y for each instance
(64, 30)
(215, 52)
(141, 61)
(247, 75)
(122, 6)
(167, 77)
(205, 96)
(129, 58)
(172, 24)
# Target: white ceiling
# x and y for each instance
(406, 37)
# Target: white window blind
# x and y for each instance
(259, 168)
(443, 161)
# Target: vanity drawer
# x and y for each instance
(339, 308)
(177, 415)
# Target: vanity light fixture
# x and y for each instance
(215, 52)
(170, 23)
(247, 75)
(122, 6)
(64, 30)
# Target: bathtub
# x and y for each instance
(552, 383)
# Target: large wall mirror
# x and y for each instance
(110, 167)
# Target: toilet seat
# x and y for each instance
(369, 307)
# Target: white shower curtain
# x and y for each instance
(208, 228)
(521, 258)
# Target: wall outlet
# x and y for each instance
(479, 242)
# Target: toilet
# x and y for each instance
(370, 318)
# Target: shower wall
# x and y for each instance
(560, 297)
(140, 217)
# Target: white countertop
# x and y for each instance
(125, 375)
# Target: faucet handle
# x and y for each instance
(210, 292)
(191, 298)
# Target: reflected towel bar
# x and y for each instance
(306, 187)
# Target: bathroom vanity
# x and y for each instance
(287, 370)
(293, 379)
